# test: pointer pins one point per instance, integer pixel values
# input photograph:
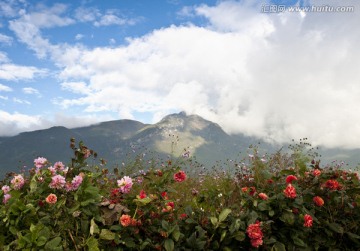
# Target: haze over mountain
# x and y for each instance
(117, 141)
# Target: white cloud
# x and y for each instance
(21, 101)
(18, 72)
(79, 36)
(76, 87)
(86, 14)
(32, 91)
(112, 19)
(4, 97)
(13, 123)
(5, 88)
(48, 17)
(3, 57)
(5, 39)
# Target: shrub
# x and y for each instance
(275, 202)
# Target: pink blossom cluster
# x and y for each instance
(18, 182)
(58, 168)
(6, 189)
(75, 183)
(125, 184)
(57, 182)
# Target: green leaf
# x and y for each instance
(239, 236)
(298, 242)
(142, 202)
(94, 229)
(223, 235)
(176, 234)
(165, 225)
(214, 220)
(169, 245)
(278, 246)
(92, 244)
(53, 244)
(336, 227)
(263, 206)
(33, 184)
(41, 241)
(224, 214)
(106, 234)
(288, 218)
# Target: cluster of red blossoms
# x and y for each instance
(255, 234)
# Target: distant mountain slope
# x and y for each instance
(117, 141)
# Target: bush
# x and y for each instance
(275, 202)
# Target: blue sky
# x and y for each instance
(276, 75)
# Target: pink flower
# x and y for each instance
(180, 176)
(290, 178)
(308, 221)
(57, 182)
(263, 196)
(76, 182)
(52, 170)
(5, 189)
(290, 191)
(18, 182)
(40, 162)
(51, 199)
(318, 201)
(125, 184)
(125, 220)
(59, 166)
(6, 198)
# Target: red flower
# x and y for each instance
(318, 201)
(244, 189)
(183, 216)
(316, 172)
(308, 221)
(263, 196)
(51, 199)
(142, 194)
(290, 191)
(252, 191)
(254, 231)
(180, 176)
(256, 242)
(125, 220)
(290, 178)
(164, 195)
(332, 184)
(255, 234)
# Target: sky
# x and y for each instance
(276, 70)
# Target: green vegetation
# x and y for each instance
(280, 201)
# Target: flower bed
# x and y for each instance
(276, 202)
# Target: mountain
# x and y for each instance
(119, 141)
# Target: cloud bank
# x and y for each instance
(273, 76)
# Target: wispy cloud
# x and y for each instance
(5, 39)
(21, 101)
(5, 88)
(32, 91)
(18, 72)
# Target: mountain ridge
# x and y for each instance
(117, 140)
